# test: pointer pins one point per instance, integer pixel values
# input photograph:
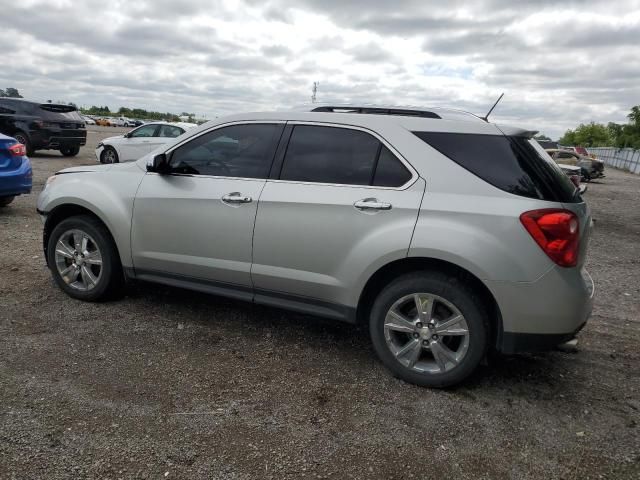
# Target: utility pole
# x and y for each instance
(314, 90)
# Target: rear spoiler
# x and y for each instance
(58, 108)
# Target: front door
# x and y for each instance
(138, 143)
(196, 222)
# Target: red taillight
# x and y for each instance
(557, 232)
(18, 150)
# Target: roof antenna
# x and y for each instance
(486, 117)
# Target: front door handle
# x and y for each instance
(235, 197)
(371, 204)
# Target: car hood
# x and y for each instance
(100, 168)
(111, 139)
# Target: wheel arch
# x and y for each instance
(396, 268)
(67, 210)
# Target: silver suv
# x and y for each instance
(448, 235)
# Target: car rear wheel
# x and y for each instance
(4, 201)
(84, 260)
(22, 138)
(70, 151)
(429, 328)
(109, 155)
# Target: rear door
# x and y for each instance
(342, 201)
(196, 222)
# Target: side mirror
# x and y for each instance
(126, 135)
(158, 164)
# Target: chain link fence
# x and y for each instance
(622, 158)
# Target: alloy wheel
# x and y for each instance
(109, 156)
(78, 260)
(426, 333)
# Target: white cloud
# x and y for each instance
(559, 64)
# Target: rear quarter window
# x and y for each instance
(517, 165)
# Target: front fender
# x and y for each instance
(108, 195)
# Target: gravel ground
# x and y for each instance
(171, 384)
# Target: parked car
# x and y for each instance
(592, 168)
(88, 120)
(43, 126)
(447, 235)
(123, 122)
(104, 122)
(575, 174)
(15, 170)
(138, 142)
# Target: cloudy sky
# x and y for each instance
(559, 63)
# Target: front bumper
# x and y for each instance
(16, 182)
(542, 314)
(98, 152)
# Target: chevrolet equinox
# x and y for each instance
(447, 234)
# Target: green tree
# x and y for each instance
(542, 137)
(589, 135)
(10, 92)
(568, 138)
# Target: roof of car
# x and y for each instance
(185, 125)
(444, 120)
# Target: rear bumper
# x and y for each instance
(43, 139)
(16, 182)
(542, 314)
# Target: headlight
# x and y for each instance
(49, 181)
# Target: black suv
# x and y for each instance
(43, 126)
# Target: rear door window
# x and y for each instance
(390, 172)
(342, 156)
(170, 131)
(517, 165)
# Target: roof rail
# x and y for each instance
(376, 111)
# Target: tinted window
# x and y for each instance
(146, 131)
(516, 165)
(170, 131)
(330, 155)
(390, 171)
(236, 151)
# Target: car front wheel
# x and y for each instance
(109, 155)
(83, 259)
(429, 328)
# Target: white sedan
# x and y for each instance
(139, 141)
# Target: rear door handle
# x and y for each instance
(235, 198)
(371, 204)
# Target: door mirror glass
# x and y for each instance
(158, 164)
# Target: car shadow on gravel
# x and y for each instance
(529, 376)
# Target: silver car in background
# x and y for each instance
(447, 234)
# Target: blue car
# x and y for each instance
(15, 170)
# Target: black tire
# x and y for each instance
(70, 151)
(23, 138)
(111, 279)
(455, 291)
(105, 156)
(4, 201)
